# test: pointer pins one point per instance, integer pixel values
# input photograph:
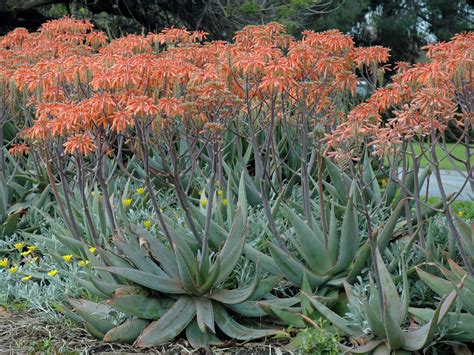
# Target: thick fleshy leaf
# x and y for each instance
(441, 286)
(235, 296)
(127, 332)
(93, 313)
(163, 284)
(139, 258)
(460, 325)
(383, 238)
(233, 247)
(334, 318)
(186, 276)
(367, 348)
(393, 331)
(333, 237)
(247, 309)
(389, 290)
(204, 315)
(163, 255)
(198, 339)
(265, 286)
(350, 239)
(267, 262)
(293, 269)
(235, 330)
(418, 339)
(308, 243)
(145, 307)
(170, 325)
(289, 317)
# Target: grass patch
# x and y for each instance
(456, 151)
(464, 209)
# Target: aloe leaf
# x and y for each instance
(235, 330)
(107, 288)
(339, 180)
(198, 339)
(235, 296)
(305, 304)
(333, 241)
(334, 318)
(112, 259)
(267, 262)
(441, 286)
(93, 331)
(247, 309)
(242, 198)
(461, 325)
(91, 287)
(163, 255)
(210, 281)
(362, 255)
(90, 312)
(349, 239)
(139, 257)
(265, 286)
(370, 180)
(127, 332)
(288, 317)
(217, 234)
(140, 306)
(204, 315)
(293, 269)
(419, 338)
(185, 273)
(389, 290)
(309, 243)
(170, 325)
(383, 238)
(375, 322)
(395, 334)
(158, 283)
(233, 247)
(367, 348)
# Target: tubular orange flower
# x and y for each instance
(79, 144)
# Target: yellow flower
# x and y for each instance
(83, 263)
(67, 258)
(204, 202)
(12, 269)
(26, 278)
(220, 193)
(140, 191)
(92, 250)
(224, 202)
(161, 210)
(460, 213)
(32, 247)
(26, 253)
(4, 262)
(19, 245)
(147, 224)
(127, 202)
(53, 272)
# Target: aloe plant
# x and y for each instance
(459, 325)
(385, 317)
(164, 290)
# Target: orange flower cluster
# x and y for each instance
(83, 88)
(423, 99)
